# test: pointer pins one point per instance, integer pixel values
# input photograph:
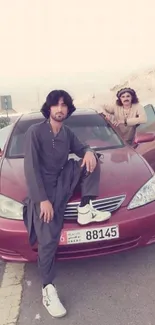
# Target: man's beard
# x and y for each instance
(58, 117)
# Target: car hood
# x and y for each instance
(123, 172)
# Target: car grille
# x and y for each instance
(110, 204)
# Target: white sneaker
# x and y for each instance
(88, 214)
(52, 303)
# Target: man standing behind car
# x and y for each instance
(126, 114)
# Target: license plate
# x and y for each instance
(88, 235)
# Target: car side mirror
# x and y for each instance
(144, 137)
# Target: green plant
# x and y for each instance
(4, 121)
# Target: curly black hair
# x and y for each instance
(131, 91)
(53, 99)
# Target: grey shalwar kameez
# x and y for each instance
(51, 176)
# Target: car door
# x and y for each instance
(147, 150)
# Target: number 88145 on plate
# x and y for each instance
(89, 235)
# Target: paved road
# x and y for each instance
(2, 265)
(113, 290)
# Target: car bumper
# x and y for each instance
(136, 228)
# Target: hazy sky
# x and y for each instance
(55, 40)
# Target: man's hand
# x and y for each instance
(89, 161)
(108, 117)
(46, 211)
(117, 123)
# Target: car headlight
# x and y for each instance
(10, 209)
(145, 195)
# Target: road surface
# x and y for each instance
(2, 265)
(113, 290)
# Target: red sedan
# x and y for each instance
(127, 189)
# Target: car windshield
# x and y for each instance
(91, 129)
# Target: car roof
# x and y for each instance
(37, 115)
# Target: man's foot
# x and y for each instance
(88, 214)
(52, 303)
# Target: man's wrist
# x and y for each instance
(89, 150)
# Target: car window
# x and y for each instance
(4, 133)
(150, 125)
(90, 129)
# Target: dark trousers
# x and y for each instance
(48, 234)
